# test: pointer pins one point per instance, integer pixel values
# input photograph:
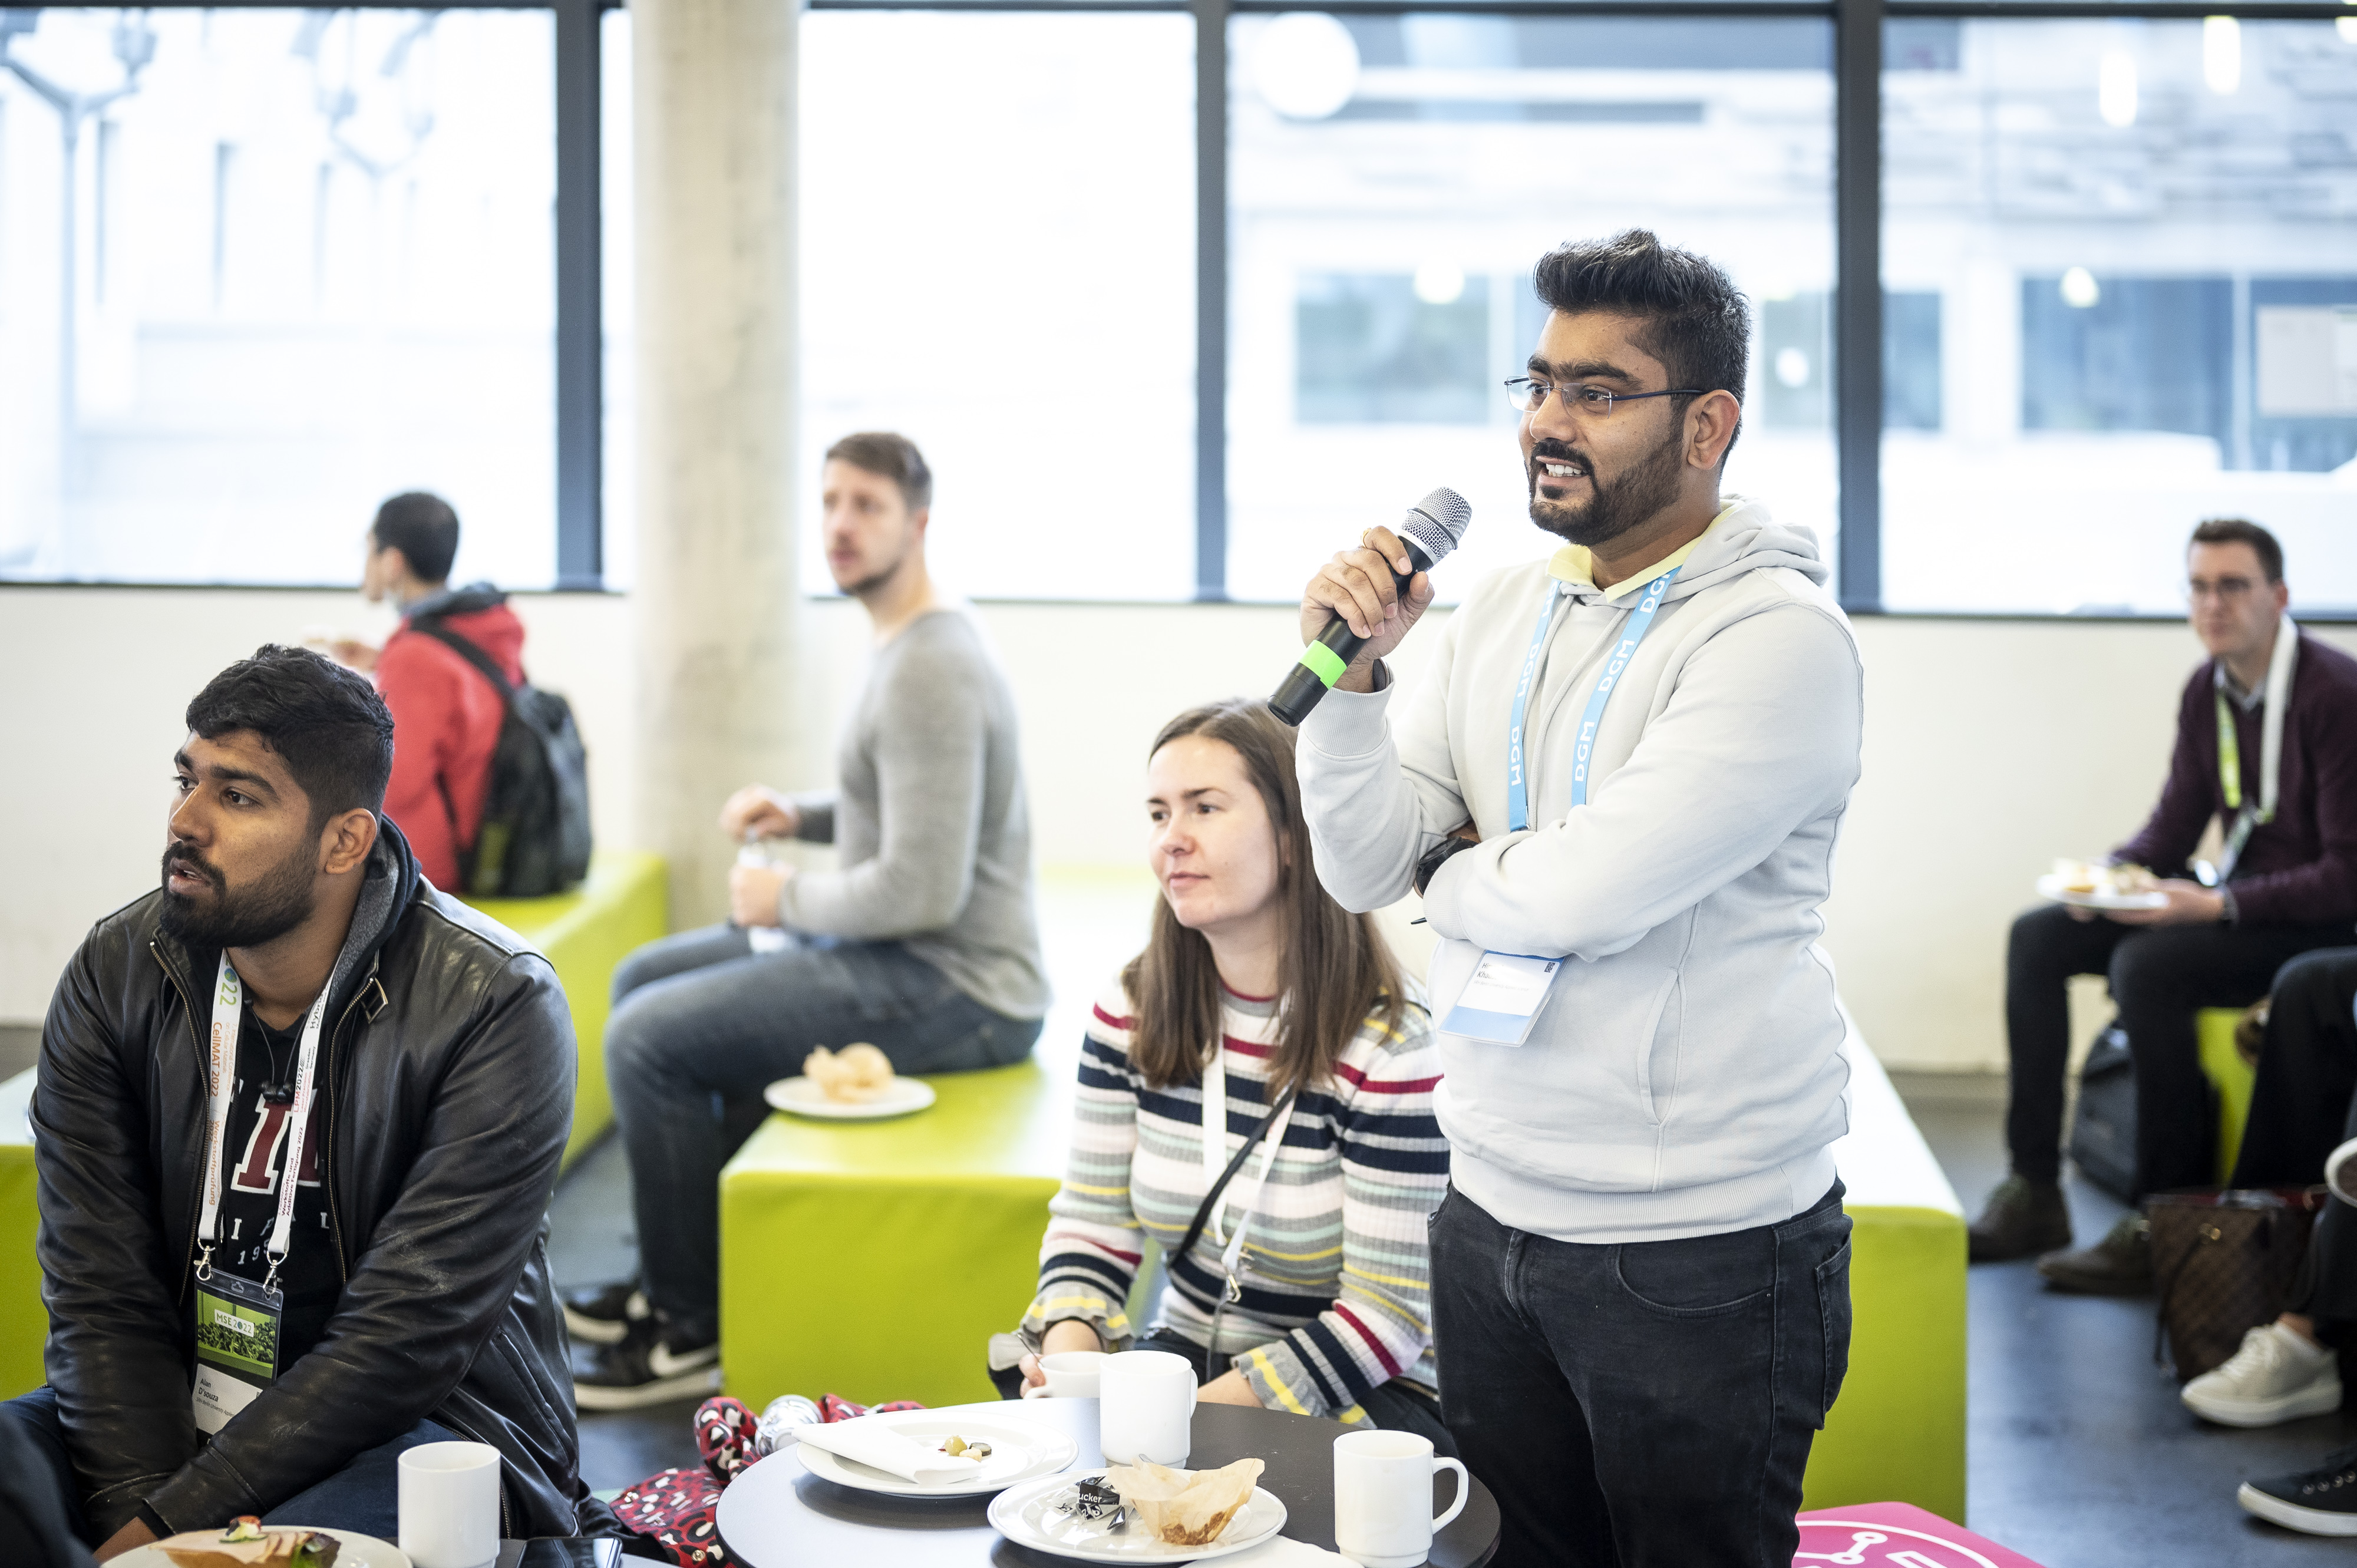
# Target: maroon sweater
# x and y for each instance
(2300, 868)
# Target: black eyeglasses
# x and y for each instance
(1528, 396)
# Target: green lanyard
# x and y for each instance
(2229, 759)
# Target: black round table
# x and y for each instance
(778, 1515)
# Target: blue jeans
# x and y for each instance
(702, 1024)
(364, 1495)
(1646, 1405)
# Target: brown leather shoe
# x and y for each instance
(2119, 1264)
(2023, 1218)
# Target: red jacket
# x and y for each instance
(446, 725)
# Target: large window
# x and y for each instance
(2136, 242)
(1395, 179)
(998, 260)
(260, 269)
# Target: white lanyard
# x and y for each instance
(1634, 630)
(1215, 1162)
(2256, 813)
(221, 1068)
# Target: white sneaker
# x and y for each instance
(2341, 1172)
(2276, 1376)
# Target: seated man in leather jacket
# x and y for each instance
(294, 981)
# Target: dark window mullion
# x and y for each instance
(580, 372)
(1857, 297)
(1211, 300)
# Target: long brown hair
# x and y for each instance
(1336, 970)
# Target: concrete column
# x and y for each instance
(716, 601)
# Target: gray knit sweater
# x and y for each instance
(929, 820)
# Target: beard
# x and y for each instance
(274, 904)
(1618, 504)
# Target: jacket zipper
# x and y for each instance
(204, 1086)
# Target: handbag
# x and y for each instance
(2223, 1264)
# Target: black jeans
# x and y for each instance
(2159, 976)
(1643, 1405)
(702, 1024)
(2300, 1109)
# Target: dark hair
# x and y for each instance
(423, 529)
(333, 730)
(2242, 531)
(1697, 324)
(1336, 971)
(890, 457)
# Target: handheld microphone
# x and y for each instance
(1430, 530)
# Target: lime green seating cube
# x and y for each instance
(2222, 1065)
(1897, 1432)
(874, 1259)
(623, 904)
(24, 1322)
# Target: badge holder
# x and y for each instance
(1502, 1000)
(237, 1345)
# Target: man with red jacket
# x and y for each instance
(2267, 745)
(445, 716)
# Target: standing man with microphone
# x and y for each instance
(1617, 787)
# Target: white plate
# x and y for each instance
(801, 1097)
(1026, 1515)
(1020, 1451)
(357, 1551)
(2051, 887)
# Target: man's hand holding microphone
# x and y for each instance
(1363, 601)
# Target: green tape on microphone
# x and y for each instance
(1323, 663)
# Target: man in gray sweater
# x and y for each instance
(921, 942)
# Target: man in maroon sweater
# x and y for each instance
(2283, 788)
(446, 715)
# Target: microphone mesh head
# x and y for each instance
(1437, 523)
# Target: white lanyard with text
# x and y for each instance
(1215, 1162)
(1640, 622)
(222, 1079)
(2256, 813)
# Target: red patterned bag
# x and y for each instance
(679, 1508)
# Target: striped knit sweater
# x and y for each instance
(1337, 1283)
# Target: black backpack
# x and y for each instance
(534, 835)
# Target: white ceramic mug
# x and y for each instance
(450, 1505)
(1149, 1407)
(1382, 1498)
(1073, 1374)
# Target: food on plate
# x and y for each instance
(2085, 878)
(1185, 1508)
(246, 1544)
(959, 1448)
(853, 1076)
(1092, 1500)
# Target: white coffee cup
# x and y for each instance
(1382, 1498)
(1149, 1407)
(450, 1505)
(1073, 1374)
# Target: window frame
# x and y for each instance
(1857, 297)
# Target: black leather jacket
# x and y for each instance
(446, 1084)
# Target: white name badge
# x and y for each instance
(1504, 995)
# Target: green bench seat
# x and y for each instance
(623, 904)
(24, 1322)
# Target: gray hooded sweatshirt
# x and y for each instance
(1684, 1075)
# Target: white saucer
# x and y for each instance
(801, 1097)
(1027, 1515)
(357, 1551)
(1020, 1451)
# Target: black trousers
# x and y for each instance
(2300, 1109)
(2161, 975)
(1646, 1405)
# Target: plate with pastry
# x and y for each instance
(2093, 886)
(247, 1542)
(855, 1084)
(1142, 1513)
(920, 1453)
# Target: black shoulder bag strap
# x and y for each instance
(473, 655)
(1211, 1198)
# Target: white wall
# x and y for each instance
(1991, 747)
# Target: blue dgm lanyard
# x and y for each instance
(1640, 622)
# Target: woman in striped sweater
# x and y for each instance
(1254, 984)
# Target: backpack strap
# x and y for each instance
(473, 655)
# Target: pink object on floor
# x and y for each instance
(1895, 1535)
